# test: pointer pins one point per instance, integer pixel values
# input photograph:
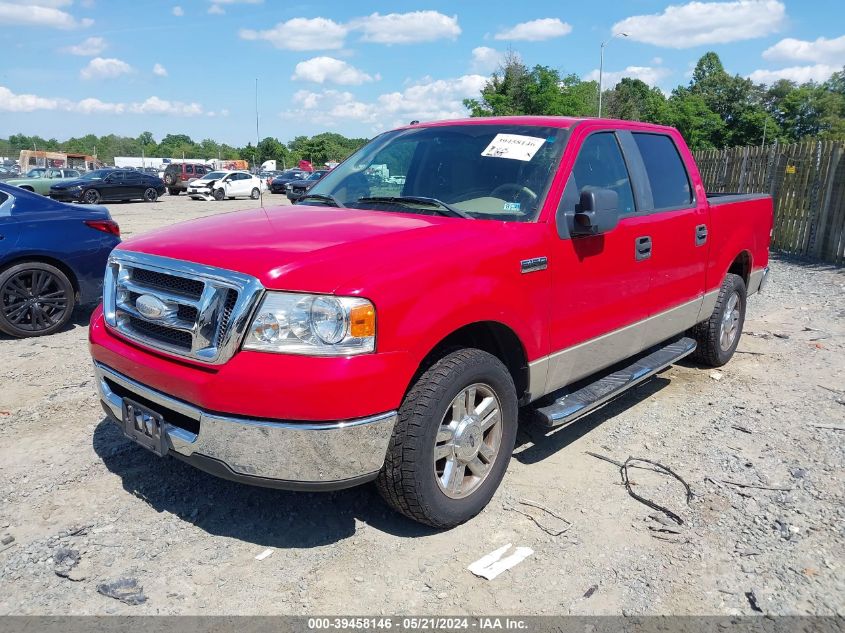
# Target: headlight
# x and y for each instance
(314, 325)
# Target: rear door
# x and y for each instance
(600, 285)
(133, 185)
(678, 229)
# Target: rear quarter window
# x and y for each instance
(667, 175)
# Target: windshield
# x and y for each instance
(487, 171)
(214, 175)
(35, 173)
(316, 175)
(98, 174)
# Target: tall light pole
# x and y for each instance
(601, 64)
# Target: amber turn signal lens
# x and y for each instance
(362, 321)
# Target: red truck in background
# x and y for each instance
(390, 330)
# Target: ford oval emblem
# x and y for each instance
(150, 307)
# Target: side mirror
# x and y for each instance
(596, 212)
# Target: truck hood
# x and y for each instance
(312, 248)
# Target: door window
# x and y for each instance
(599, 165)
(670, 185)
(189, 169)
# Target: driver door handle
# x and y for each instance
(643, 248)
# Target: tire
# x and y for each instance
(170, 179)
(255, 193)
(91, 196)
(718, 336)
(22, 317)
(173, 192)
(150, 194)
(413, 481)
(219, 194)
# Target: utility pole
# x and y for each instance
(601, 64)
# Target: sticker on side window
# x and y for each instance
(513, 146)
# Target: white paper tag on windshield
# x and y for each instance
(513, 146)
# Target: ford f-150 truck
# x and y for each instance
(391, 331)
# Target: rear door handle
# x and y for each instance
(700, 234)
(643, 247)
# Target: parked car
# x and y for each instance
(52, 257)
(219, 185)
(277, 185)
(547, 263)
(298, 188)
(109, 184)
(41, 179)
(177, 176)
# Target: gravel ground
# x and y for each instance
(81, 507)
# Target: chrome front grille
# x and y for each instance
(199, 312)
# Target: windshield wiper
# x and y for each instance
(441, 207)
(323, 197)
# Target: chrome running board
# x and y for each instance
(571, 405)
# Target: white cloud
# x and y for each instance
(11, 102)
(105, 68)
(407, 28)
(301, 34)
(44, 13)
(705, 23)
(160, 70)
(330, 70)
(154, 105)
(536, 30)
(90, 47)
(798, 74)
(486, 59)
(178, 11)
(426, 100)
(216, 9)
(821, 50)
(652, 75)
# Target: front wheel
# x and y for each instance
(92, 196)
(150, 195)
(219, 194)
(453, 440)
(718, 336)
(255, 194)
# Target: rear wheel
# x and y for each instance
(92, 196)
(36, 299)
(453, 440)
(173, 192)
(150, 194)
(255, 193)
(718, 336)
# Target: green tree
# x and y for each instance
(634, 100)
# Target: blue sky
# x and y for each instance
(72, 67)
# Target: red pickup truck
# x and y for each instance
(391, 325)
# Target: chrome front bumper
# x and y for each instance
(275, 454)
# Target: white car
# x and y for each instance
(217, 185)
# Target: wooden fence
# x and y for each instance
(807, 182)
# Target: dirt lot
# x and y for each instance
(70, 481)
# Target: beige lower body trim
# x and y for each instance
(754, 280)
(557, 370)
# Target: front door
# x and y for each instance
(600, 282)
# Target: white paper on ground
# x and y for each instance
(493, 564)
(513, 146)
(264, 554)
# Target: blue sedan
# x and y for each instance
(52, 257)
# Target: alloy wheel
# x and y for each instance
(33, 300)
(468, 441)
(729, 327)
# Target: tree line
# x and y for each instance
(714, 110)
(318, 149)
